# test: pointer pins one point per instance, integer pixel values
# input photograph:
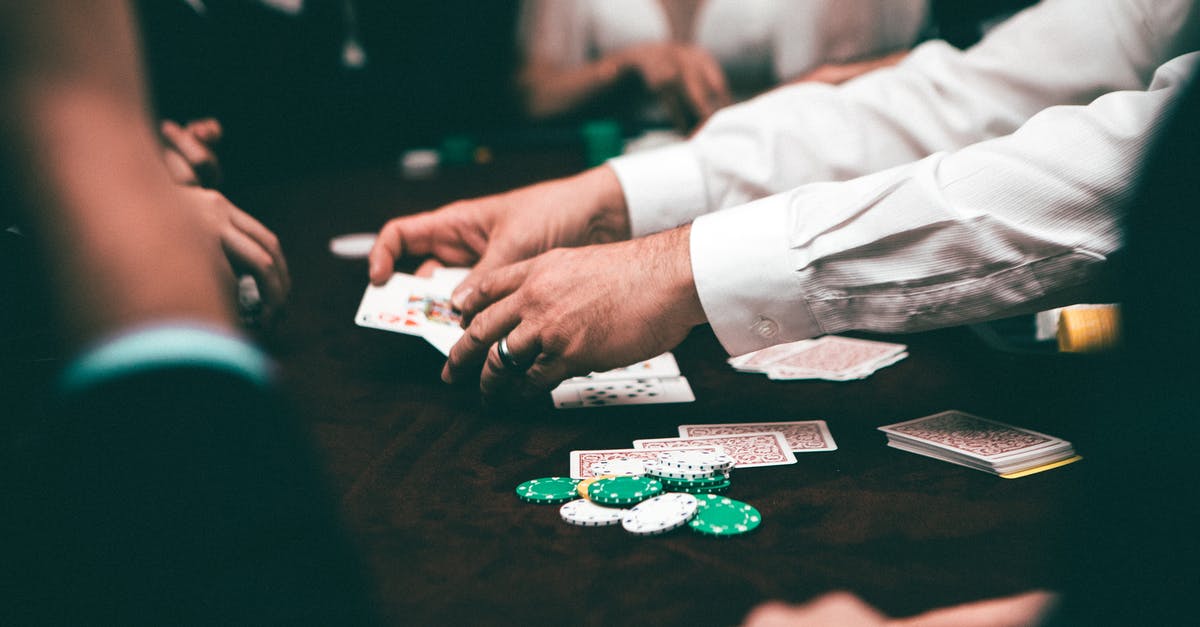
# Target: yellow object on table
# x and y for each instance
(1089, 328)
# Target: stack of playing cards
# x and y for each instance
(415, 306)
(831, 358)
(982, 444)
(647, 382)
(750, 444)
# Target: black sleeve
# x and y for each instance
(180, 496)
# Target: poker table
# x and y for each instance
(425, 473)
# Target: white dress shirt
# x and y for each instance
(966, 193)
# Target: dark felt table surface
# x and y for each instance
(425, 474)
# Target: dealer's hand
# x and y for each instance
(572, 311)
(497, 230)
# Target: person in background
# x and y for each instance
(167, 484)
(1139, 488)
(949, 189)
(693, 57)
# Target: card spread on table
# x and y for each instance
(832, 358)
(605, 392)
(581, 461)
(751, 450)
(979, 443)
(802, 436)
(415, 306)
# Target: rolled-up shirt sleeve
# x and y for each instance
(1059, 52)
(959, 236)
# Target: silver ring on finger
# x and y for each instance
(506, 358)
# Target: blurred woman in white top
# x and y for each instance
(695, 56)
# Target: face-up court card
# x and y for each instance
(388, 306)
(582, 461)
(802, 436)
(415, 306)
(586, 393)
(751, 450)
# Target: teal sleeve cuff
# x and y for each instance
(169, 345)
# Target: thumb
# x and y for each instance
(489, 262)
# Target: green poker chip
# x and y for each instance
(548, 490)
(694, 483)
(723, 516)
(628, 490)
(706, 489)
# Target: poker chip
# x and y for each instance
(352, 245)
(659, 514)
(587, 514)
(618, 467)
(583, 486)
(723, 516)
(624, 490)
(698, 481)
(704, 489)
(548, 490)
(663, 471)
(710, 461)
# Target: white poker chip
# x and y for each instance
(660, 514)
(587, 514)
(659, 469)
(711, 461)
(629, 467)
(352, 246)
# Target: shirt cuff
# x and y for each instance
(741, 264)
(663, 188)
(166, 345)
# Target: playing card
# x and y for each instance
(662, 366)
(751, 450)
(587, 393)
(835, 354)
(581, 461)
(831, 357)
(969, 436)
(802, 435)
(785, 373)
(415, 306)
(388, 307)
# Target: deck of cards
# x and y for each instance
(750, 444)
(415, 306)
(974, 442)
(831, 358)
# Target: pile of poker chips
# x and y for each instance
(652, 498)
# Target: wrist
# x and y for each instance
(674, 247)
(608, 219)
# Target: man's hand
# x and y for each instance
(497, 230)
(680, 75)
(188, 151)
(572, 311)
(248, 245)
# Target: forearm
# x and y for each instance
(550, 91)
(1000, 228)
(91, 181)
(937, 99)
